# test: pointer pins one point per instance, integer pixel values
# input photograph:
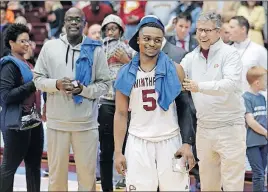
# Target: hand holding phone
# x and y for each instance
(77, 88)
(75, 83)
(180, 165)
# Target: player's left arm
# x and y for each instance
(185, 122)
(184, 111)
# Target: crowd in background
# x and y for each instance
(179, 18)
(52, 14)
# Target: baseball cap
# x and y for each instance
(145, 20)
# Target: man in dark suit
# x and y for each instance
(183, 38)
(175, 53)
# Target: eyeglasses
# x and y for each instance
(74, 19)
(113, 29)
(200, 30)
(24, 41)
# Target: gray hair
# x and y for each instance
(211, 16)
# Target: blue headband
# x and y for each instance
(145, 20)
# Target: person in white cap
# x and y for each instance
(117, 54)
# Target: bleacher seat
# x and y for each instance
(32, 16)
(39, 31)
(18, 13)
(38, 47)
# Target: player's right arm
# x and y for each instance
(120, 127)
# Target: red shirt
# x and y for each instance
(97, 18)
(205, 53)
(136, 8)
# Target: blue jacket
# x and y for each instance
(25, 70)
(167, 83)
(11, 113)
(84, 64)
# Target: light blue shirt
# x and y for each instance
(187, 42)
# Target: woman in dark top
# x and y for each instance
(19, 145)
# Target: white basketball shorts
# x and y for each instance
(149, 165)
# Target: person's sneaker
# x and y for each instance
(98, 180)
(121, 184)
(46, 172)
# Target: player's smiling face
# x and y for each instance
(150, 41)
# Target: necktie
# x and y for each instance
(182, 44)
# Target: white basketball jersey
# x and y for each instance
(148, 120)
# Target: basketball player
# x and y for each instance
(148, 86)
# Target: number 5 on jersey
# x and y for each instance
(147, 98)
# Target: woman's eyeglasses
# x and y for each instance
(24, 41)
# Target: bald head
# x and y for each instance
(75, 10)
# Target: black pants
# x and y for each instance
(106, 134)
(195, 170)
(22, 145)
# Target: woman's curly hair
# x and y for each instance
(13, 31)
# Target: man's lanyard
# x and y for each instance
(245, 49)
